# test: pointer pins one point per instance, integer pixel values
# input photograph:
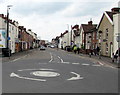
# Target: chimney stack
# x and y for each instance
(115, 10)
(90, 23)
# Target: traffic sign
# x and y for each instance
(8, 38)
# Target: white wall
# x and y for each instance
(12, 30)
(116, 21)
(81, 31)
(13, 33)
(60, 43)
(66, 40)
(2, 23)
(77, 41)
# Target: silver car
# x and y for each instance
(42, 48)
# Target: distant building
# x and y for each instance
(42, 42)
(88, 34)
(76, 35)
(64, 39)
(13, 32)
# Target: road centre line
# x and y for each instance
(66, 62)
(51, 57)
(85, 64)
(76, 63)
(96, 65)
(60, 59)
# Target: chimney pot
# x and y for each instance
(90, 23)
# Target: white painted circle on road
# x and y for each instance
(45, 74)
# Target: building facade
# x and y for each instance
(106, 29)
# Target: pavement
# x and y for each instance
(16, 56)
(103, 60)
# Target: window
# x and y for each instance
(106, 48)
(107, 34)
(12, 27)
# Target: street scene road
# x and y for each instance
(57, 71)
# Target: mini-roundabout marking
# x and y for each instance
(42, 73)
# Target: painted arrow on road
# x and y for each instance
(16, 75)
(75, 78)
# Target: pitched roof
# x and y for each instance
(88, 28)
(75, 27)
(76, 30)
(110, 14)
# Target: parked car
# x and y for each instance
(42, 48)
(52, 46)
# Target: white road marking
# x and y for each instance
(75, 78)
(47, 69)
(96, 65)
(60, 59)
(110, 66)
(18, 58)
(15, 59)
(45, 74)
(51, 57)
(66, 62)
(15, 75)
(76, 63)
(36, 69)
(85, 64)
(100, 63)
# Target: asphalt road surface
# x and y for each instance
(57, 71)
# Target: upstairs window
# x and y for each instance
(107, 34)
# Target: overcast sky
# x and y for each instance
(50, 18)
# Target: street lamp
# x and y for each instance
(7, 51)
(8, 8)
(71, 36)
(68, 34)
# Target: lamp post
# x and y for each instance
(8, 7)
(7, 51)
(68, 34)
(71, 37)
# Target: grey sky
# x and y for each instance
(41, 8)
(50, 18)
